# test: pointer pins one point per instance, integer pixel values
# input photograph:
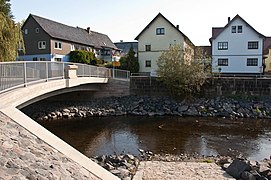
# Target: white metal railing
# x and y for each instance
(23, 73)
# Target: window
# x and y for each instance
(42, 59)
(58, 45)
(160, 31)
(25, 31)
(148, 63)
(222, 62)
(42, 45)
(233, 29)
(72, 47)
(37, 30)
(35, 59)
(253, 45)
(252, 62)
(58, 59)
(240, 29)
(222, 45)
(148, 47)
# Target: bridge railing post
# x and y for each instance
(46, 71)
(25, 75)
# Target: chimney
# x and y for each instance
(229, 19)
(121, 40)
(88, 30)
(177, 26)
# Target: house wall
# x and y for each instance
(32, 38)
(238, 51)
(268, 62)
(158, 43)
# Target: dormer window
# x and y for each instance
(160, 31)
(37, 30)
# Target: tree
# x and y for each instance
(5, 8)
(183, 77)
(130, 61)
(10, 33)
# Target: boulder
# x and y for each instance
(237, 167)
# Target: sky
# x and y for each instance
(125, 19)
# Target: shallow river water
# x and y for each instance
(174, 135)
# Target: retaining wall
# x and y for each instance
(213, 86)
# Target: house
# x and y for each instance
(203, 55)
(267, 55)
(47, 40)
(157, 37)
(125, 47)
(237, 48)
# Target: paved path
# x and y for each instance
(153, 170)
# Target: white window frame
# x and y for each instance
(233, 29)
(160, 31)
(240, 29)
(25, 31)
(41, 44)
(253, 45)
(37, 30)
(252, 61)
(222, 45)
(58, 45)
(223, 62)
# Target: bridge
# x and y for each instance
(22, 83)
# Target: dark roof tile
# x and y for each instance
(73, 34)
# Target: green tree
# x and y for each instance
(10, 33)
(5, 8)
(130, 61)
(182, 76)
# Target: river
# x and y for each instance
(174, 135)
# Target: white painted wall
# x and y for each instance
(238, 51)
(158, 43)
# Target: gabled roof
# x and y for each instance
(218, 30)
(72, 34)
(125, 46)
(160, 15)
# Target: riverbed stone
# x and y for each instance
(237, 167)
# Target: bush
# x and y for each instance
(81, 56)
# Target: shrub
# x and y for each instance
(80, 56)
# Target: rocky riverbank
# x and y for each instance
(126, 166)
(152, 106)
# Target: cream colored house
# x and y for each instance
(157, 37)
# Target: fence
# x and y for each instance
(18, 74)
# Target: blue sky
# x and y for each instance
(125, 19)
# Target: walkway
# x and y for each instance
(152, 170)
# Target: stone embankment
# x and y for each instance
(24, 156)
(152, 106)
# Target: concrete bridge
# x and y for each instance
(22, 83)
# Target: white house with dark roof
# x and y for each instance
(157, 37)
(47, 40)
(237, 48)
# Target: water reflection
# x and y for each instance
(174, 135)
